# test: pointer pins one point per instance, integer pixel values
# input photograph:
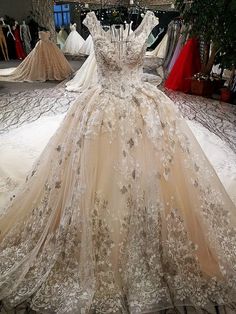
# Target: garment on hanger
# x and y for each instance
(122, 212)
(45, 62)
(181, 41)
(173, 36)
(187, 64)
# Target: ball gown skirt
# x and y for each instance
(187, 64)
(73, 43)
(86, 76)
(87, 47)
(122, 212)
(45, 62)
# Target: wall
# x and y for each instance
(17, 9)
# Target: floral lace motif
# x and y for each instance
(122, 212)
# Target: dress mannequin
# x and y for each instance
(61, 37)
(74, 41)
(3, 43)
(20, 53)
(52, 66)
(25, 37)
(63, 33)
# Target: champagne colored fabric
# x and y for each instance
(122, 212)
(45, 62)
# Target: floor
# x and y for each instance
(21, 103)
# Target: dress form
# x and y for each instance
(3, 43)
(10, 39)
(20, 53)
(25, 36)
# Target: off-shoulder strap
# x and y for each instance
(92, 23)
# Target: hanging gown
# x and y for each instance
(176, 53)
(20, 53)
(187, 64)
(160, 50)
(45, 62)
(122, 213)
(73, 42)
(87, 47)
(173, 32)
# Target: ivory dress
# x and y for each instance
(45, 62)
(73, 42)
(85, 77)
(122, 213)
(87, 47)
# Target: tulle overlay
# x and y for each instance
(87, 47)
(74, 42)
(45, 62)
(122, 213)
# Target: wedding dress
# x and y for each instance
(85, 77)
(87, 47)
(45, 62)
(122, 213)
(61, 37)
(73, 42)
(160, 50)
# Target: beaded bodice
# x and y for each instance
(120, 62)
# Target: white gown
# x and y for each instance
(73, 42)
(160, 50)
(122, 212)
(87, 47)
(85, 77)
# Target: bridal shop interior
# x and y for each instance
(53, 59)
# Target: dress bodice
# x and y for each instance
(73, 27)
(44, 35)
(120, 62)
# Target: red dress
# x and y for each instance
(20, 53)
(187, 64)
